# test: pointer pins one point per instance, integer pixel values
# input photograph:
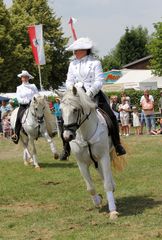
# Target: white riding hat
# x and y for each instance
(79, 44)
(25, 73)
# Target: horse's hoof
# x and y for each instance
(97, 200)
(37, 168)
(56, 156)
(30, 161)
(114, 215)
(26, 163)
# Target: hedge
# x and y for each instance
(135, 97)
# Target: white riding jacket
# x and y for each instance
(87, 71)
(25, 92)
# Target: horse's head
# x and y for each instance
(76, 107)
(38, 105)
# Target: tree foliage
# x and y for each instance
(5, 48)
(21, 15)
(110, 61)
(131, 47)
(155, 48)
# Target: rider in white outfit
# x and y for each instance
(24, 94)
(86, 71)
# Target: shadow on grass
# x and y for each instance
(134, 205)
(59, 164)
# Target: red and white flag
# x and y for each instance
(71, 22)
(36, 40)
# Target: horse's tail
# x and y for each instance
(50, 120)
(118, 162)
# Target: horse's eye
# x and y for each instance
(36, 109)
(75, 110)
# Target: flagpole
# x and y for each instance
(40, 77)
(72, 28)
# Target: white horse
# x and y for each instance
(34, 125)
(87, 132)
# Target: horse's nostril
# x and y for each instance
(71, 137)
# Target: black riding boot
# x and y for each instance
(114, 129)
(66, 151)
(15, 137)
(66, 146)
(112, 123)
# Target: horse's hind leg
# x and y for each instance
(84, 169)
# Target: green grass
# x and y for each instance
(53, 203)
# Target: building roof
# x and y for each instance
(137, 61)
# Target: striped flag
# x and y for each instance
(36, 40)
(71, 22)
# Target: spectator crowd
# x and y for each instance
(130, 116)
(143, 120)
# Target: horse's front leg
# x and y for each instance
(51, 143)
(109, 185)
(33, 152)
(26, 154)
(84, 170)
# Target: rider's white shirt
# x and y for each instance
(88, 71)
(25, 92)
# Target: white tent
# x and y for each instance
(140, 80)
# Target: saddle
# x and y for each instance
(107, 120)
(105, 110)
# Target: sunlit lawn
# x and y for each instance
(53, 203)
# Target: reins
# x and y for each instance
(76, 124)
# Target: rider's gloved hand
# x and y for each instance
(90, 94)
(78, 85)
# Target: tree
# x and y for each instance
(131, 47)
(155, 48)
(5, 49)
(110, 61)
(29, 12)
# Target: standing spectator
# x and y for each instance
(11, 105)
(142, 119)
(115, 106)
(58, 115)
(136, 121)
(1, 131)
(4, 108)
(124, 110)
(160, 103)
(148, 109)
(128, 100)
(51, 105)
(6, 125)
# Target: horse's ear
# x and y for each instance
(45, 97)
(59, 93)
(74, 90)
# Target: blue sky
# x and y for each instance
(104, 21)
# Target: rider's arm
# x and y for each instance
(97, 82)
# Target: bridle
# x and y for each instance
(40, 119)
(74, 126)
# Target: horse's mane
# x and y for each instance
(80, 98)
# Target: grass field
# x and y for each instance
(53, 203)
